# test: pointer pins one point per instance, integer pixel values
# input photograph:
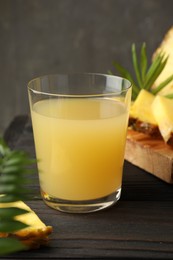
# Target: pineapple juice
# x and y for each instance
(80, 145)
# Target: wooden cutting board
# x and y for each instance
(152, 155)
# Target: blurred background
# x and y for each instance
(39, 37)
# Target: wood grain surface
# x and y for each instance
(150, 154)
(139, 226)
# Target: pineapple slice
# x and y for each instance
(141, 108)
(36, 234)
(166, 47)
(141, 119)
(162, 109)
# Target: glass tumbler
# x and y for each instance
(79, 124)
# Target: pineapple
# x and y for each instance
(141, 118)
(162, 109)
(150, 82)
(141, 108)
(35, 234)
(166, 47)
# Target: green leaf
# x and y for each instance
(11, 226)
(153, 70)
(110, 72)
(13, 188)
(11, 169)
(14, 169)
(9, 198)
(169, 96)
(162, 85)
(10, 245)
(143, 61)
(136, 66)
(3, 147)
(4, 178)
(124, 73)
(13, 161)
(145, 75)
(11, 212)
(156, 73)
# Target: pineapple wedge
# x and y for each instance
(166, 47)
(141, 119)
(36, 234)
(141, 108)
(162, 109)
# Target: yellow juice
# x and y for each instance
(80, 146)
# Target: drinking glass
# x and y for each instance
(79, 124)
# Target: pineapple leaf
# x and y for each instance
(145, 74)
(152, 70)
(162, 85)
(124, 73)
(156, 73)
(136, 66)
(143, 61)
(169, 96)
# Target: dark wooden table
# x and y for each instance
(139, 226)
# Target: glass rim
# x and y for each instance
(113, 93)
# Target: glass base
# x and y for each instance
(82, 206)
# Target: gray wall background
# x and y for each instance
(39, 37)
